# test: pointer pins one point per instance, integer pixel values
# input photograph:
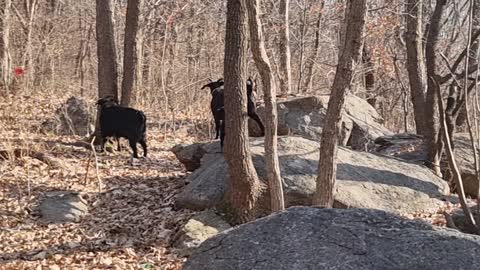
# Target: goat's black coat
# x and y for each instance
(117, 121)
(218, 111)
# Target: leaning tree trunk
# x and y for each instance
(263, 65)
(107, 56)
(415, 62)
(5, 61)
(130, 50)
(355, 22)
(285, 63)
(433, 136)
(244, 187)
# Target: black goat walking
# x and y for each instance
(122, 122)
(218, 111)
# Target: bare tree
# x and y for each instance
(130, 55)
(285, 63)
(355, 24)
(433, 136)
(415, 61)
(244, 187)
(5, 61)
(107, 57)
(106, 52)
(310, 62)
(263, 65)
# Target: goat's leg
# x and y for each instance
(222, 135)
(217, 127)
(257, 119)
(119, 145)
(144, 146)
(103, 141)
(133, 145)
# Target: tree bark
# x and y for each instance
(314, 51)
(433, 136)
(130, 56)
(457, 176)
(107, 57)
(269, 93)
(5, 60)
(415, 62)
(369, 75)
(285, 63)
(106, 52)
(244, 187)
(355, 24)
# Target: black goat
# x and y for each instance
(216, 105)
(122, 122)
(218, 111)
(252, 104)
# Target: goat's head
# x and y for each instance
(213, 84)
(107, 101)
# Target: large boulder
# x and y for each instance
(364, 180)
(199, 228)
(312, 238)
(305, 116)
(71, 118)
(62, 207)
(411, 147)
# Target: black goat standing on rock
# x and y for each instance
(218, 111)
(122, 122)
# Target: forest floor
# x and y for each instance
(131, 221)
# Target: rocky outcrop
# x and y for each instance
(72, 118)
(412, 148)
(312, 238)
(305, 116)
(364, 180)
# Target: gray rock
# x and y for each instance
(412, 148)
(189, 155)
(357, 239)
(198, 229)
(305, 116)
(364, 180)
(72, 118)
(62, 207)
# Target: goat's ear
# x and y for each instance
(220, 80)
(210, 80)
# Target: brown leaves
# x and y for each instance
(131, 222)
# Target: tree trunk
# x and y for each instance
(106, 52)
(107, 57)
(433, 136)
(5, 61)
(314, 51)
(369, 75)
(244, 187)
(285, 65)
(355, 22)
(269, 93)
(415, 62)
(130, 50)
